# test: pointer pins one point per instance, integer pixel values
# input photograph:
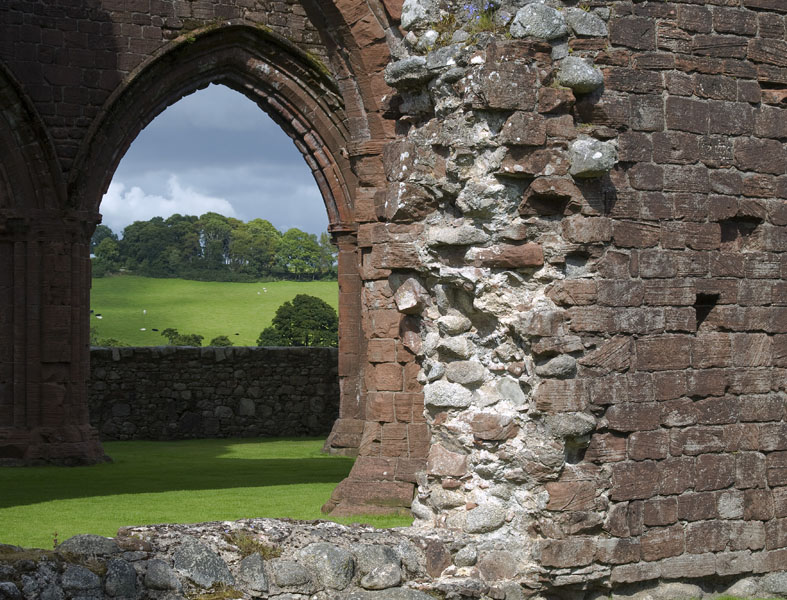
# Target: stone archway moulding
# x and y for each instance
(296, 90)
(292, 87)
(301, 96)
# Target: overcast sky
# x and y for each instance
(214, 150)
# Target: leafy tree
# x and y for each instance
(182, 339)
(298, 253)
(215, 231)
(304, 321)
(212, 248)
(101, 232)
(107, 257)
(220, 340)
(144, 246)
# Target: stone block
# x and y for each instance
(445, 463)
(573, 552)
(662, 542)
(571, 496)
(507, 256)
(634, 480)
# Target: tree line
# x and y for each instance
(212, 247)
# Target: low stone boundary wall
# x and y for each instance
(290, 560)
(171, 392)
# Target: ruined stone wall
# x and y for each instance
(583, 245)
(267, 558)
(564, 244)
(166, 393)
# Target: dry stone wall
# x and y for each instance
(165, 393)
(266, 558)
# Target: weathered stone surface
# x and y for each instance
(571, 424)
(120, 580)
(202, 565)
(484, 518)
(466, 372)
(78, 579)
(417, 13)
(591, 158)
(524, 129)
(586, 23)
(391, 594)
(454, 324)
(411, 297)
(447, 395)
(333, 565)
(510, 390)
(252, 572)
(579, 75)
(456, 347)
(561, 366)
(775, 583)
(159, 576)
(407, 73)
(508, 256)
(466, 557)
(443, 462)
(538, 21)
(463, 235)
(385, 576)
(89, 545)
(369, 557)
(288, 573)
(8, 591)
(493, 427)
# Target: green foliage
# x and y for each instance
(248, 545)
(328, 256)
(104, 342)
(182, 339)
(212, 247)
(102, 232)
(298, 254)
(220, 340)
(189, 481)
(306, 321)
(476, 17)
(219, 591)
(445, 28)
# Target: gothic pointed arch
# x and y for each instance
(293, 87)
(29, 174)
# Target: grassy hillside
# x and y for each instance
(203, 307)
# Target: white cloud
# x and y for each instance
(121, 207)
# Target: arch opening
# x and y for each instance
(300, 95)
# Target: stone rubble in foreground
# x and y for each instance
(294, 560)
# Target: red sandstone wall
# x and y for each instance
(663, 280)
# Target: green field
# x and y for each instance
(207, 308)
(172, 482)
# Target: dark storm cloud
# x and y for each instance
(215, 150)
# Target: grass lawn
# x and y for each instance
(172, 482)
(207, 308)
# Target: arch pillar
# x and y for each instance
(345, 437)
(44, 353)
